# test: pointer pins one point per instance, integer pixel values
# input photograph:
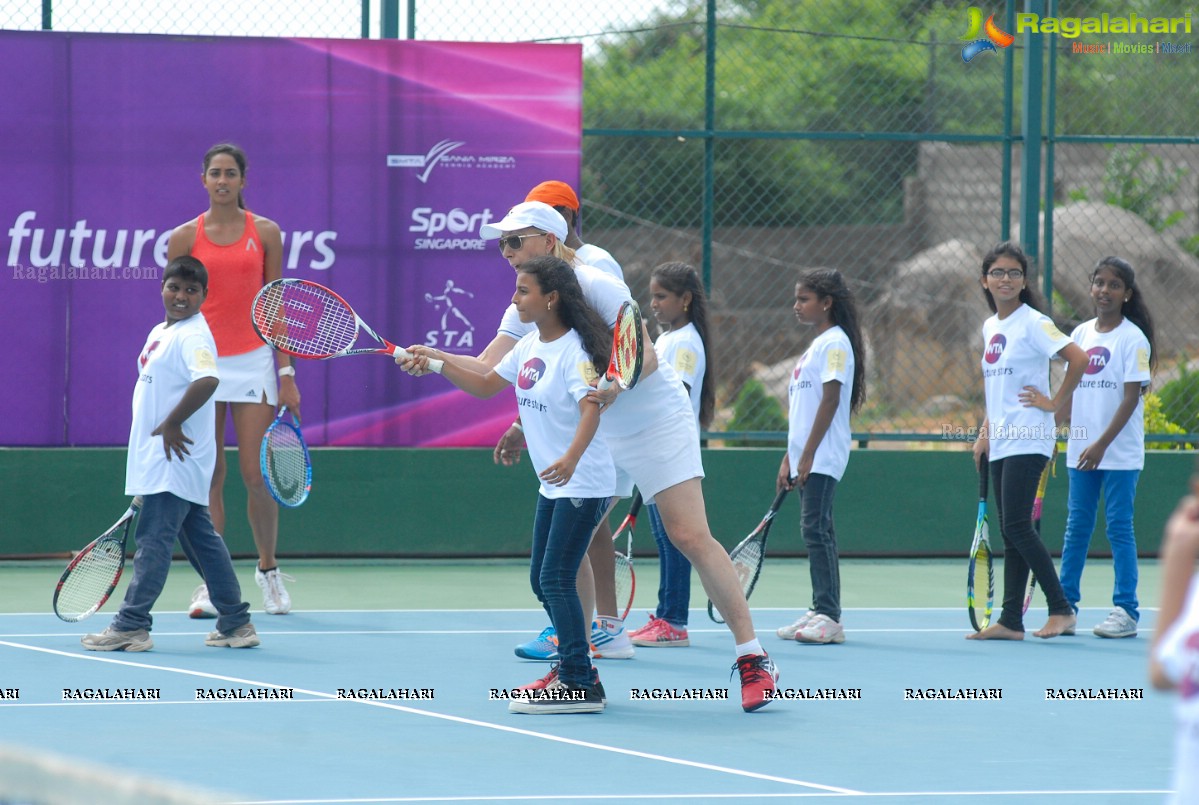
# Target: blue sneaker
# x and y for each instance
(545, 647)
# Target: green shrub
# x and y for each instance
(755, 409)
(1180, 400)
(1157, 422)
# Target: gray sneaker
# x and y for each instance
(241, 637)
(113, 640)
(1118, 624)
(788, 632)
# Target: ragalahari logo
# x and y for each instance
(995, 36)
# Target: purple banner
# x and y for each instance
(378, 160)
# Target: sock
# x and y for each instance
(610, 623)
(752, 647)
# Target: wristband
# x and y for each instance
(518, 426)
(287, 371)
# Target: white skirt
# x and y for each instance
(248, 377)
(659, 457)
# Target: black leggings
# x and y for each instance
(1015, 479)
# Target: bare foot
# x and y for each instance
(996, 632)
(1057, 625)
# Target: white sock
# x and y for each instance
(752, 647)
(610, 623)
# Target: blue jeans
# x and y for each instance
(163, 519)
(561, 533)
(674, 575)
(821, 538)
(1015, 480)
(1119, 488)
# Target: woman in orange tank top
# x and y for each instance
(242, 252)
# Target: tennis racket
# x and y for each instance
(307, 320)
(1050, 469)
(286, 465)
(93, 574)
(980, 552)
(750, 554)
(626, 580)
(628, 349)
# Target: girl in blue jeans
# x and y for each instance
(680, 306)
(1106, 450)
(552, 369)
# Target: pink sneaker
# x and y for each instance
(659, 633)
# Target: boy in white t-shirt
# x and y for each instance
(172, 451)
(1174, 658)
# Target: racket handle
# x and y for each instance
(435, 365)
(605, 383)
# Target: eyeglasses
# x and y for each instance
(517, 242)
(1010, 273)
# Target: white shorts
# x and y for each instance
(659, 457)
(247, 377)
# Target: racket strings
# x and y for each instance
(746, 563)
(625, 358)
(305, 320)
(624, 582)
(287, 466)
(91, 579)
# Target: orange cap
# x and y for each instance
(555, 194)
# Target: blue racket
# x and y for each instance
(286, 465)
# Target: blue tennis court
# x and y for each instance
(400, 705)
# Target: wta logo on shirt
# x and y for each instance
(995, 348)
(145, 357)
(1098, 358)
(530, 373)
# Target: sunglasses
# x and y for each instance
(517, 242)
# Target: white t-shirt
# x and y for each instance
(171, 360)
(684, 350)
(1116, 358)
(830, 357)
(591, 255)
(550, 379)
(655, 397)
(1016, 353)
(1178, 653)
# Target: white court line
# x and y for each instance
(743, 796)
(336, 632)
(698, 610)
(444, 717)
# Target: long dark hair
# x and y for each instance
(827, 283)
(1134, 309)
(555, 274)
(678, 279)
(239, 156)
(1028, 294)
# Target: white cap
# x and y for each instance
(536, 214)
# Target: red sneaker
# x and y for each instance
(659, 633)
(758, 675)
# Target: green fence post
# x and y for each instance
(1030, 121)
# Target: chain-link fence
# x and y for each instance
(757, 138)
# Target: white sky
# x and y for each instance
(470, 20)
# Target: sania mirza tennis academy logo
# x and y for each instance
(995, 36)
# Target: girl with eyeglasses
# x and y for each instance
(1017, 435)
(1106, 450)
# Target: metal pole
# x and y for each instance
(709, 143)
(1030, 120)
(390, 22)
(1050, 127)
(1009, 67)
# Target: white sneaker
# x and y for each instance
(201, 606)
(609, 640)
(1118, 624)
(788, 632)
(275, 599)
(821, 629)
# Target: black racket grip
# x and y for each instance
(984, 470)
(636, 505)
